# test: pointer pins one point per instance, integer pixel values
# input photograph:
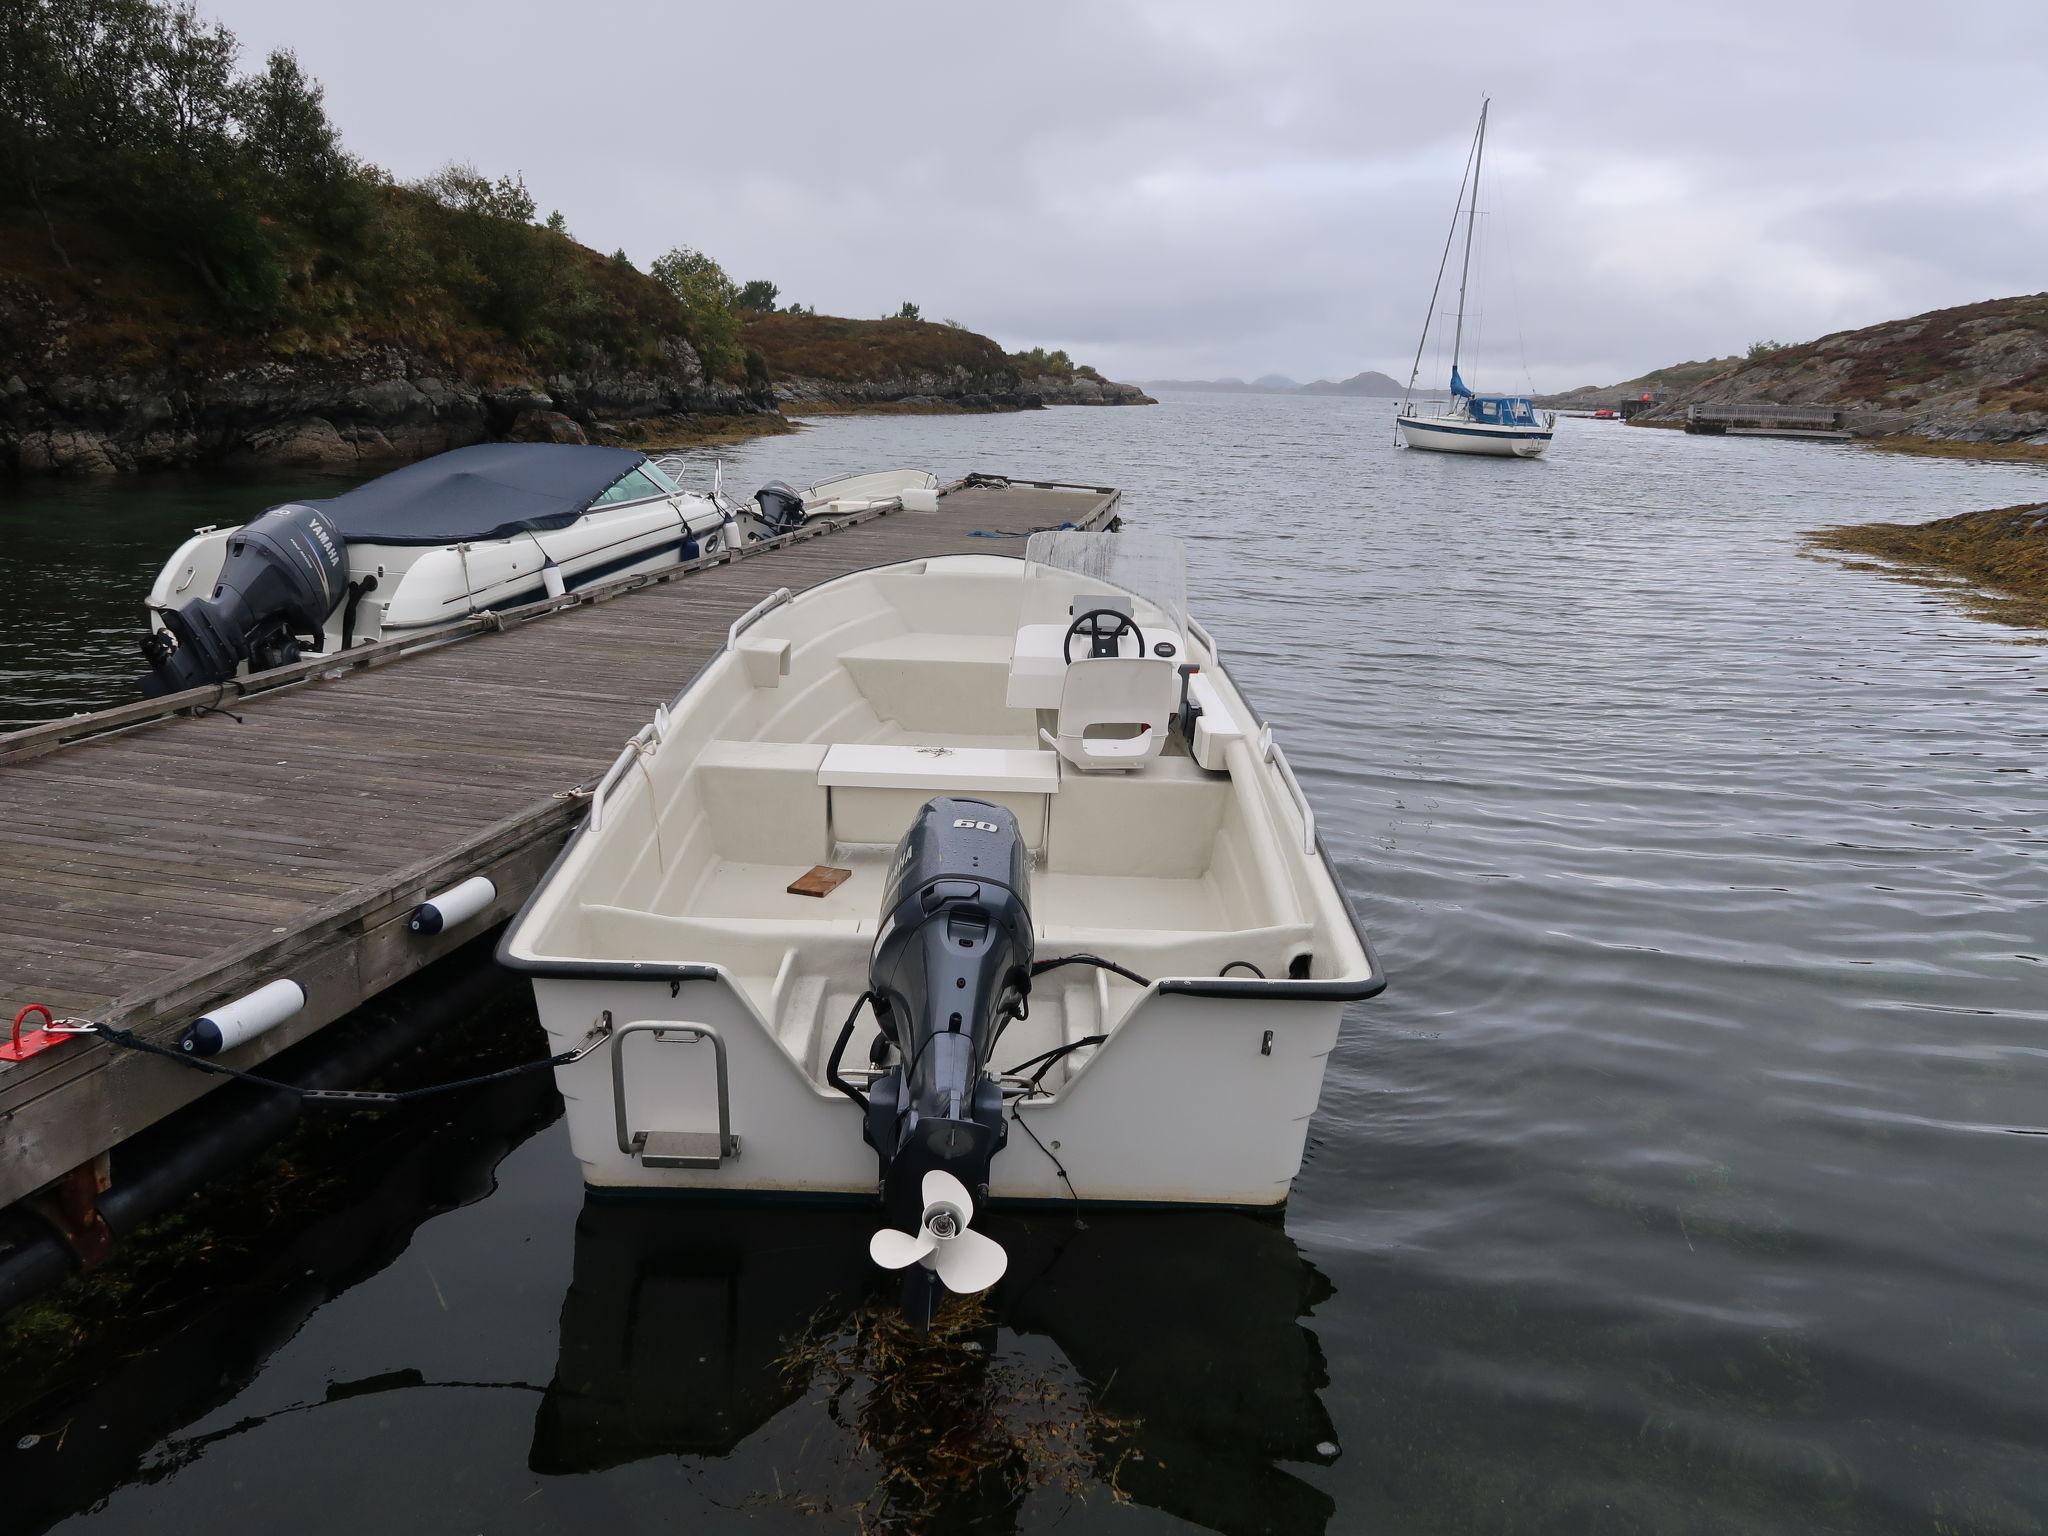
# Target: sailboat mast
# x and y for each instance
(1465, 274)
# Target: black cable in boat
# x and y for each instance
(839, 1051)
(1040, 967)
(1051, 1056)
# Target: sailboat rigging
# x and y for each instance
(1500, 426)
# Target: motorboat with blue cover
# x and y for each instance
(967, 878)
(490, 526)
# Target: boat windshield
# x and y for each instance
(1153, 566)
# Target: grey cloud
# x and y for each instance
(1182, 187)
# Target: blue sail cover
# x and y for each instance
(487, 491)
(1458, 385)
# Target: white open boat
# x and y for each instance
(1494, 426)
(485, 527)
(1068, 883)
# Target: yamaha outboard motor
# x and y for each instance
(781, 507)
(950, 967)
(284, 574)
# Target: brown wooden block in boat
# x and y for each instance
(821, 880)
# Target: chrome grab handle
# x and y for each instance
(648, 734)
(772, 601)
(632, 1142)
(1199, 632)
(1270, 750)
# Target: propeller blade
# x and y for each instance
(940, 1185)
(971, 1262)
(899, 1250)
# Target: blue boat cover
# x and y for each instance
(487, 491)
(1458, 385)
(1507, 410)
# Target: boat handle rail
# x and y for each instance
(649, 735)
(1200, 632)
(767, 604)
(668, 1032)
(1270, 750)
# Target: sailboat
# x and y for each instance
(1503, 426)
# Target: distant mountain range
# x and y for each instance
(1371, 384)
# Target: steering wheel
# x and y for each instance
(1097, 634)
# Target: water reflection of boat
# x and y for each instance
(1183, 1330)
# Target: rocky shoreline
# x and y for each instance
(389, 407)
(381, 407)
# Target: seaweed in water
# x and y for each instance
(1995, 562)
(948, 1428)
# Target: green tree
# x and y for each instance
(1759, 350)
(909, 311)
(757, 297)
(706, 297)
(489, 245)
(284, 118)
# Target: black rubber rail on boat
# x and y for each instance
(1040, 967)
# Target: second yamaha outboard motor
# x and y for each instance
(781, 508)
(283, 575)
(950, 967)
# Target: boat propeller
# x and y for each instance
(945, 1241)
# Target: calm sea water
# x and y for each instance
(1690, 1177)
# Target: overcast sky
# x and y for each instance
(1184, 189)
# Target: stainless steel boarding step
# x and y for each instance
(673, 1149)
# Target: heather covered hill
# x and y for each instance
(906, 361)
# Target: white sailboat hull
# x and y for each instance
(1500, 442)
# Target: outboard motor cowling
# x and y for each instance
(781, 507)
(950, 967)
(283, 575)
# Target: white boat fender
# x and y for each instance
(232, 1024)
(454, 906)
(551, 578)
(919, 499)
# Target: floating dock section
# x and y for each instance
(165, 858)
(1738, 419)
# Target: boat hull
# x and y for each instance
(1429, 436)
(1170, 1115)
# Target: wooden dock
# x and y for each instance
(160, 858)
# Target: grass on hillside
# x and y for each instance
(120, 307)
(866, 351)
(1994, 562)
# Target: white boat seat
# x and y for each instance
(886, 765)
(1132, 696)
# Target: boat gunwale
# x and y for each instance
(1276, 989)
